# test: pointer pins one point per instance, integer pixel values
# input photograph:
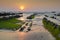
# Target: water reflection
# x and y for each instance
(22, 18)
(21, 35)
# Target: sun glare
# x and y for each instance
(21, 7)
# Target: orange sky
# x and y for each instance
(30, 5)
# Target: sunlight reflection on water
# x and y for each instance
(21, 35)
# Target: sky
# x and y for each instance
(30, 5)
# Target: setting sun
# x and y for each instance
(21, 7)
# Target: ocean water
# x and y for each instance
(37, 18)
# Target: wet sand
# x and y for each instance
(8, 35)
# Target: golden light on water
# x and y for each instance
(21, 7)
(22, 18)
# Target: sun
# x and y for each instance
(21, 7)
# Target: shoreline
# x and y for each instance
(6, 30)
